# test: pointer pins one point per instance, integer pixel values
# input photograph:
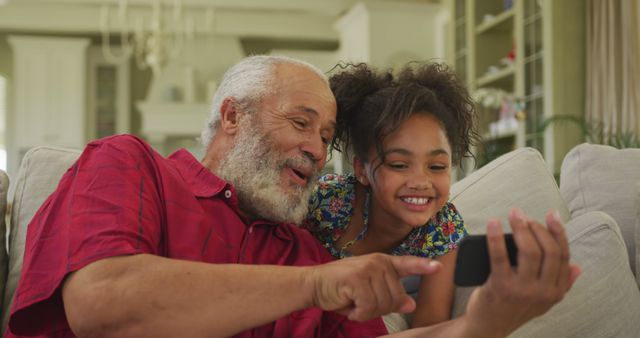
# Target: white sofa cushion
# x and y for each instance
(39, 173)
(604, 301)
(4, 186)
(597, 177)
(520, 179)
(517, 179)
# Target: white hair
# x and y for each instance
(248, 81)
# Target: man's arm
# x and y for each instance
(512, 297)
(145, 295)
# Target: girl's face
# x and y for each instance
(413, 183)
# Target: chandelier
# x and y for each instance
(156, 37)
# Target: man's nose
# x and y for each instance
(315, 150)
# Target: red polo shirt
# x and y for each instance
(122, 198)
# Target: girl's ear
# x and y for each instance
(360, 172)
(229, 116)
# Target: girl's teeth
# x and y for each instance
(415, 200)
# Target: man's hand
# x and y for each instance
(513, 296)
(367, 286)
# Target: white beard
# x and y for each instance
(254, 167)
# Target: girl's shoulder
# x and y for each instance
(335, 190)
(440, 235)
(333, 182)
(331, 208)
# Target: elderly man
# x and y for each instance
(134, 245)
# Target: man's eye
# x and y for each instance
(300, 123)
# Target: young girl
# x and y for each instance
(404, 133)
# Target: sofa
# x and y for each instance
(598, 198)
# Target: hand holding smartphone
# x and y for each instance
(473, 265)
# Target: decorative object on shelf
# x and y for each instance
(489, 97)
(509, 110)
(152, 43)
(487, 18)
(507, 4)
(506, 63)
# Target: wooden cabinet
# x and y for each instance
(524, 62)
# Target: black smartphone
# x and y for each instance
(473, 265)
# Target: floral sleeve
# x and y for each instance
(330, 209)
(314, 215)
(439, 236)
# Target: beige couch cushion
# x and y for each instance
(4, 186)
(517, 179)
(597, 177)
(604, 301)
(40, 171)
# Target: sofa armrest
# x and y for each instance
(40, 171)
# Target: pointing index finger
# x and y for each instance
(411, 265)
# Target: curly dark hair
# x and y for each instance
(373, 104)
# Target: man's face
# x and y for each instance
(282, 147)
(300, 120)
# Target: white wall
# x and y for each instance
(355, 35)
(391, 34)
(403, 33)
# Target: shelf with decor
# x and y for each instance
(500, 77)
(523, 48)
(498, 22)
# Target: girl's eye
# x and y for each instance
(325, 141)
(397, 166)
(438, 167)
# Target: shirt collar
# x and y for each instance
(201, 180)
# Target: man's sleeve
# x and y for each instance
(341, 327)
(107, 204)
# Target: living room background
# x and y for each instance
(64, 89)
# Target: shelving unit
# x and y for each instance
(499, 22)
(500, 78)
(533, 50)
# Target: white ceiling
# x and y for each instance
(321, 7)
(308, 20)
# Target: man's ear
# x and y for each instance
(229, 116)
(360, 172)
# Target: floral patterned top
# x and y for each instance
(331, 208)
